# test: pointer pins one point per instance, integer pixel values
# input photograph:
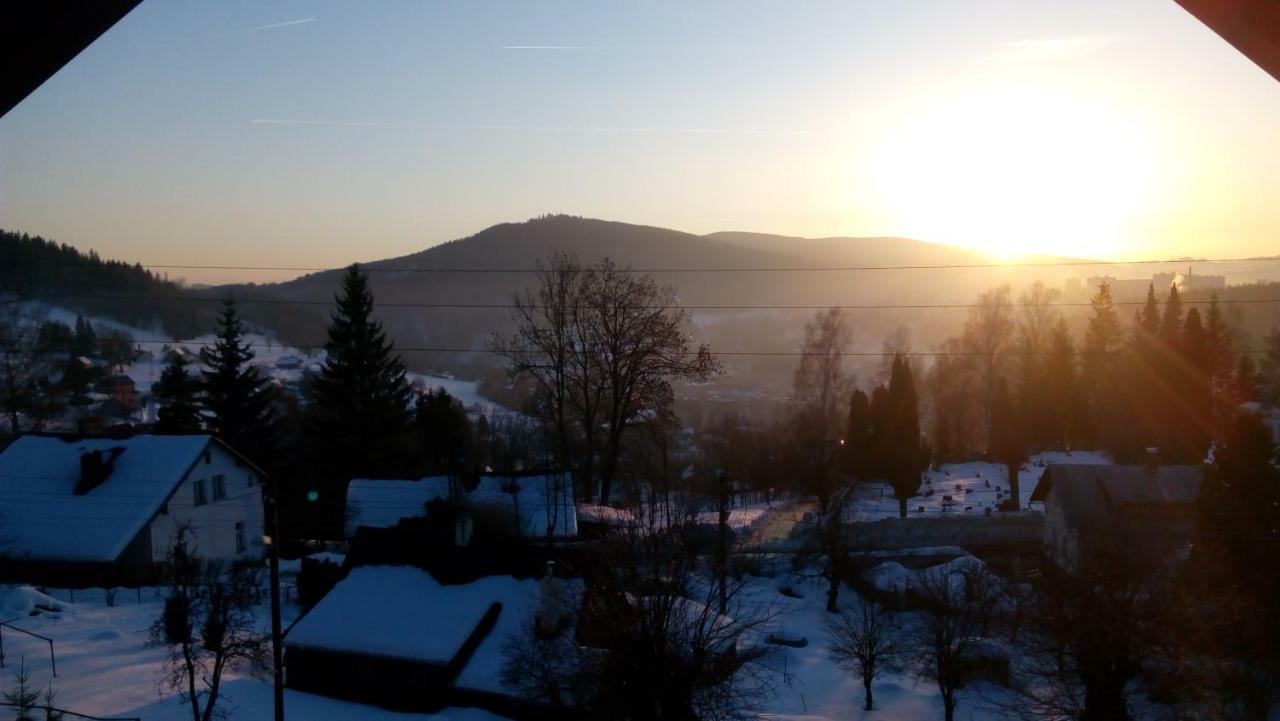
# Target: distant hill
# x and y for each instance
(32, 267)
(410, 279)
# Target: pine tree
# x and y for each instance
(1008, 440)
(1218, 345)
(905, 457)
(177, 393)
(1062, 387)
(1244, 382)
(859, 435)
(237, 401)
(85, 342)
(1192, 432)
(1171, 321)
(360, 399)
(1101, 364)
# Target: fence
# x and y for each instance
(53, 660)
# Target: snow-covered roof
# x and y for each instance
(402, 612)
(41, 516)
(1088, 492)
(544, 501)
(383, 504)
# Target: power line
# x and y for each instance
(505, 351)
(513, 306)
(678, 269)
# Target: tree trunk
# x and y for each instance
(1014, 494)
(866, 685)
(833, 592)
(902, 507)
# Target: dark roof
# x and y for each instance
(1091, 492)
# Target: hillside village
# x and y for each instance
(435, 554)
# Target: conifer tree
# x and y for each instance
(1190, 382)
(177, 393)
(859, 435)
(1171, 321)
(905, 457)
(237, 401)
(1008, 439)
(85, 342)
(1062, 386)
(1218, 346)
(1101, 365)
(360, 399)
(1244, 382)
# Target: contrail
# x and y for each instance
(284, 24)
(554, 47)
(526, 128)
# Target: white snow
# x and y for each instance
(382, 504)
(544, 501)
(400, 612)
(43, 517)
(105, 667)
(960, 488)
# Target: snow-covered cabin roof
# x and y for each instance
(383, 504)
(545, 502)
(402, 612)
(1087, 493)
(42, 516)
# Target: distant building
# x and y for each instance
(1147, 512)
(1121, 288)
(535, 504)
(122, 390)
(104, 511)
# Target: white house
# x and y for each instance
(111, 506)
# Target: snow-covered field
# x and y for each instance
(106, 668)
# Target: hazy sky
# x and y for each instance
(318, 133)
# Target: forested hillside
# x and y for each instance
(35, 268)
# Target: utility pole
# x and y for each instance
(722, 547)
(277, 648)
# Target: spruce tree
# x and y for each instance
(1171, 321)
(859, 435)
(85, 341)
(1218, 346)
(905, 453)
(177, 393)
(1062, 386)
(1191, 384)
(1101, 366)
(237, 401)
(360, 399)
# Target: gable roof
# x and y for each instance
(1090, 493)
(41, 516)
(417, 618)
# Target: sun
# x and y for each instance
(1018, 170)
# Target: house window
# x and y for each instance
(202, 496)
(242, 543)
(219, 487)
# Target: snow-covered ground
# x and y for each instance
(970, 487)
(106, 668)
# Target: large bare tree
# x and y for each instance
(602, 346)
(820, 390)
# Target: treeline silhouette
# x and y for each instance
(35, 268)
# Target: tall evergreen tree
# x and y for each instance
(1191, 432)
(177, 392)
(1008, 439)
(859, 435)
(1218, 345)
(905, 457)
(85, 342)
(1171, 321)
(1244, 381)
(360, 408)
(237, 400)
(1101, 365)
(1062, 387)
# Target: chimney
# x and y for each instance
(95, 468)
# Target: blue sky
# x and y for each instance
(1117, 128)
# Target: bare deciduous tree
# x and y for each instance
(956, 615)
(866, 641)
(208, 626)
(820, 389)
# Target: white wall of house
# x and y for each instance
(227, 525)
(1060, 540)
